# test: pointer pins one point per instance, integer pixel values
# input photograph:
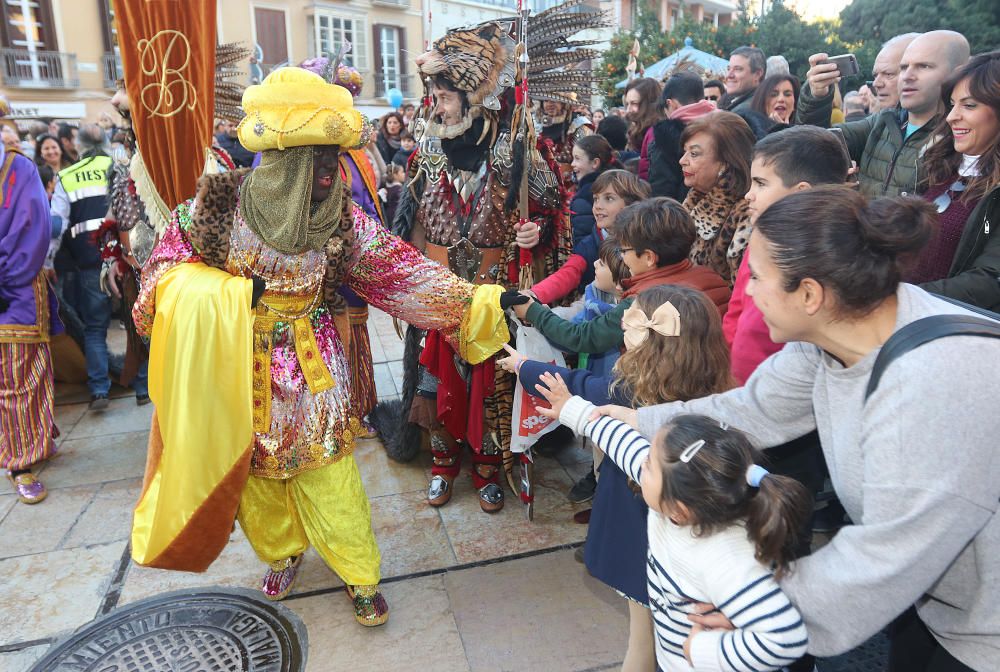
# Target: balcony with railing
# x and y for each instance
(39, 69)
(404, 83)
(111, 67)
(403, 4)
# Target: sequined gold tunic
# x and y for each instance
(301, 379)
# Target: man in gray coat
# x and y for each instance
(887, 146)
(746, 70)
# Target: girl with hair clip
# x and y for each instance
(911, 446)
(721, 529)
(660, 364)
(609, 193)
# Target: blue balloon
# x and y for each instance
(394, 96)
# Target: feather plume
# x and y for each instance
(564, 7)
(560, 59)
(228, 93)
(567, 24)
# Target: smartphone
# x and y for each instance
(847, 64)
(871, 87)
(847, 151)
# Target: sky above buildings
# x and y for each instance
(817, 9)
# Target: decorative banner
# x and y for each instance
(168, 52)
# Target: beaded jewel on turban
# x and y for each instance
(294, 107)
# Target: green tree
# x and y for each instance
(782, 31)
(875, 21)
(653, 46)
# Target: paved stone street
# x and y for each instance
(467, 591)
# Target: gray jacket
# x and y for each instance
(917, 468)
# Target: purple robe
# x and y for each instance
(361, 196)
(25, 230)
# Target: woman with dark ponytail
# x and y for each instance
(915, 463)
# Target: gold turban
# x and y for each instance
(293, 107)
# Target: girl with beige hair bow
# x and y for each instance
(674, 350)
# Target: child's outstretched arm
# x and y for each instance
(625, 446)
(594, 336)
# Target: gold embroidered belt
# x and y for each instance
(294, 310)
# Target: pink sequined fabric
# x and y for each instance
(397, 278)
(310, 430)
(172, 249)
(307, 430)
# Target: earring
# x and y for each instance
(721, 172)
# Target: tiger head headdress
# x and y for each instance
(478, 63)
(481, 62)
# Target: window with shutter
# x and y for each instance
(271, 36)
(389, 55)
(27, 33)
(332, 30)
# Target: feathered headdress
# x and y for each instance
(229, 93)
(480, 61)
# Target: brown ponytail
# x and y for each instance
(596, 147)
(775, 518)
(713, 486)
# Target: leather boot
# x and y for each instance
(446, 453)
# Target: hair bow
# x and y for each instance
(665, 321)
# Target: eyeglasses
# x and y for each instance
(712, 98)
(943, 202)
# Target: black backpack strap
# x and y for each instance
(926, 330)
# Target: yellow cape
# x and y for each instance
(200, 379)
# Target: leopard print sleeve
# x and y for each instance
(212, 216)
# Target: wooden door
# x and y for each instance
(271, 35)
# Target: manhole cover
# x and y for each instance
(214, 630)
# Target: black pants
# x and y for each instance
(914, 649)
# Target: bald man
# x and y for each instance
(927, 62)
(886, 145)
(885, 71)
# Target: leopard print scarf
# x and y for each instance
(722, 224)
(710, 210)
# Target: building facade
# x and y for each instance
(57, 57)
(715, 12)
(385, 36)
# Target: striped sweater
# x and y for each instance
(683, 569)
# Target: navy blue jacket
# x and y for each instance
(616, 539)
(581, 207)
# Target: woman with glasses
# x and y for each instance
(962, 168)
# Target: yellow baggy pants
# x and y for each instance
(326, 508)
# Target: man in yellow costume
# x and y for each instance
(248, 358)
